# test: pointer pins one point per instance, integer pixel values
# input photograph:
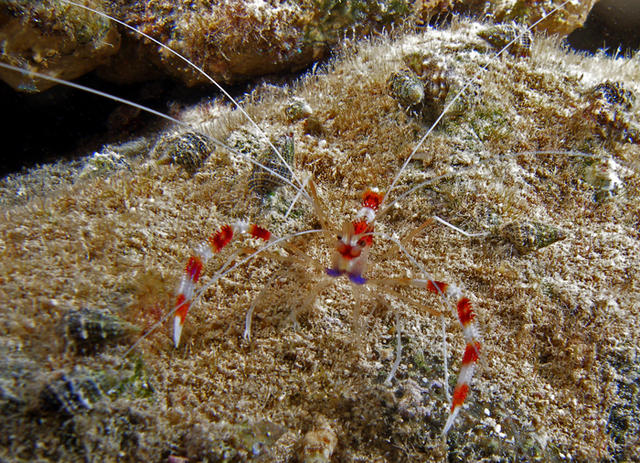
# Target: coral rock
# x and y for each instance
(53, 38)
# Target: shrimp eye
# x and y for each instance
(339, 237)
(361, 243)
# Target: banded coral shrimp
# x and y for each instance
(215, 383)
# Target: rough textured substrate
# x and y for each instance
(559, 363)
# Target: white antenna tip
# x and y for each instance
(177, 330)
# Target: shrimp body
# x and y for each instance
(353, 244)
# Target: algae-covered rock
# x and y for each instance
(80, 389)
(52, 37)
(231, 41)
(611, 107)
(572, 14)
(622, 424)
(515, 153)
(250, 440)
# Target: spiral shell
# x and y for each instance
(422, 88)
(262, 182)
(500, 35)
(88, 329)
(71, 393)
(189, 150)
(530, 236)
(407, 88)
(297, 109)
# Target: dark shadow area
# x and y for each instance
(67, 123)
(612, 25)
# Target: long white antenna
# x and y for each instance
(460, 93)
(199, 70)
(148, 110)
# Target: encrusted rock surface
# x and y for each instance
(232, 41)
(558, 369)
(48, 36)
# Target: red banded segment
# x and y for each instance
(459, 395)
(437, 287)
(465, 312)
(259, 232)
(183, 307)
(469, 358)
(196, 263)
(471, 353)
(194, 268)
(372, 199)
(221, 238)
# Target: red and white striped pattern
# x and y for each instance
(466, 317)
(194, 267)
(371, 200)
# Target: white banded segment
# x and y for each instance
(203, 253)
(466, 317)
